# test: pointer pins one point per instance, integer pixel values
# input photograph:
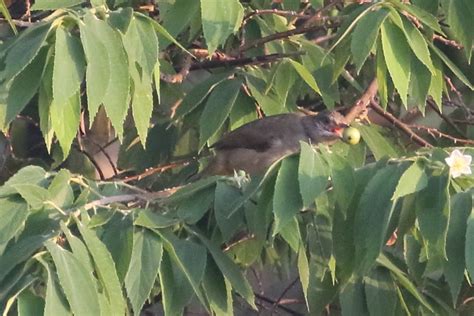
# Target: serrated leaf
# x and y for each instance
(414, 179)
(377, 143)
(65, 119)
(34, 195)
(461, 22)
(55, 302)
(29, 304)
(143, 269)
(312, 174)
(437, 83)
(105, 268)
(121, 19)
(365, 35)
(353, 298)
(78, 285)
(420, 81)
(189, 258)
(107, 76)
(54, 4)
(24, 50)
(303, 271)
(469, 253)
(372, 217)
(230, 270)
(219, 20)
(456, 243)
(228, 223)
(60, 190)
(452, 66)
(380, 293)
(422, 15)
(218, 290)
(291, 234)
(69, 66)
(417, 42)
(22, 88)
(432, 211)
(27, 175)
(397, 56)
(305, 75)
(286, 199)
(381, 73)
(141, 45)
(13, 212)
(149, 219)
(217, 109)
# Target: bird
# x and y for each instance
(255, 146)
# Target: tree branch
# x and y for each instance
(360, 106)
(399, 124)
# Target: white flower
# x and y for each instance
(459, 164)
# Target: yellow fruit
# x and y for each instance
(351, 135)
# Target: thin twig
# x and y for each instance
(448, 121)
(360, 106)
(20, 23)
(276, 12)
(446, 41)
(280, 306)
(399, 124)
(436, 133)
(286, 34)
(282, 295)
(245, 61)
(158, 169)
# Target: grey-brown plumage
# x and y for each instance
(253, 147)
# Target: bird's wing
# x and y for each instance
(259, 135)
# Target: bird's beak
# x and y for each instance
(339, 129)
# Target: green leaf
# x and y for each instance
(414, 179)
(29, 304)
(417, 42)
(381, 73)
(105, 268)
(193, 208)
(107, 76)
(141, 45)
(228, 223)
(69, 66)
(432, 210)
(218, 107)
(400, 276)
(470, 243)
(218, 290)
(22, 89)
(230, 270)
(425, 17)
(365, 35)
(121, 19)
(189, 258)
(219, 20)
(437, 83)
(286, 199)
(453, 67)
(420, 81)
(149, 219)
(380, 292)
(199, 92)
(34, 195)
(78, 285)
(378, 144)
(305, 75)
(144, 266)
(352, 299)
(342, 175)
(60, 190)
(460, 21)
(54, 4)
(13, 212)
(24, 50)
(27, 175)
(312, 174)
(291, 234)
(373, 215)
(456, 242)
(8, 17)
(397, 56)
(55, 302)
(303, 271)
(65, 119)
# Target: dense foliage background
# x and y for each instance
(108, 107)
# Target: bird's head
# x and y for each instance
(326, 126)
